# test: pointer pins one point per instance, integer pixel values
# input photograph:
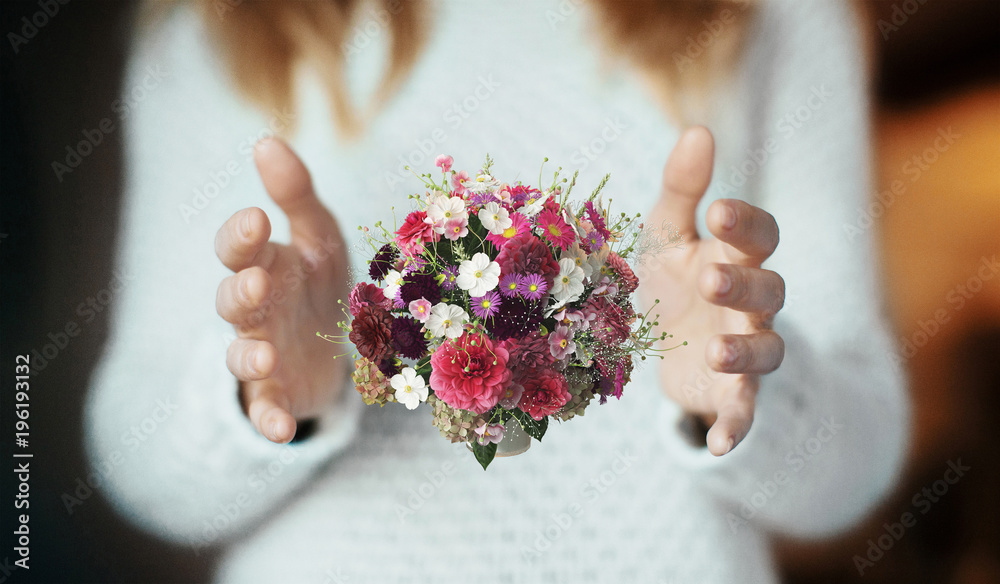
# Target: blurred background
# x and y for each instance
(936, 66)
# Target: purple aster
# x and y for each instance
(449, 273)
(509, 285)
(417, 286)
(595, 241)
(487, 305)
(532, 286)
(407, 339)
(597, 219)
(483, 198)
(383, 261)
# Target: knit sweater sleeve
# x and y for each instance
(830, 427)
(166, 435)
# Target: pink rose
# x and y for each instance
(414, 233)
(545, 393)
(470, 373)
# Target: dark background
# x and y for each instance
(57, 241)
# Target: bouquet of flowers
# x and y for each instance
(499, 305)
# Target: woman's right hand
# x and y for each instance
(280, 296)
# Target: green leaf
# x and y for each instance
(535, 429)
(484, 454)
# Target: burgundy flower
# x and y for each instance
(371, 333)
(417, 286)
(407, 339)
(515, 319)
(526, 254)
(383, 261)
(545, 393)
(528, 352)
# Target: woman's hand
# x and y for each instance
(714, 295)
(280, 296)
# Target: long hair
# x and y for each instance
(681, 47)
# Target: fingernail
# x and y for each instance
(728, 218)
(245, 225)
(274, 430)
(732, 442)
(728, 356)
(252, 361)
(724, 283)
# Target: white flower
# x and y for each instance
(483, 183)
(410, 388)
(447, 320)
(569, 283)
(444, 209)
(576, 253)
(478, 275)
(495, 218)
(393, 281)
(533, 207)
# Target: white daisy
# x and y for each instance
(446, 320)
(478, 275)
(576, 253)
(495, 218)
(533, 207)
(410, 388)
(569, 283)
(393, 282)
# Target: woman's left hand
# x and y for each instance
(714, 294)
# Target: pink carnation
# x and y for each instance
(526, 254)
(626, 277)
(414, 233)
(470, 373)
(545, 393)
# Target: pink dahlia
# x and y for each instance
(612, 324)
(470, 373)
(414, 233)
(526, 254)
(626, 277)
(555, 229)
(545, 393)
(365, 294)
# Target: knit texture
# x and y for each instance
(377, 495)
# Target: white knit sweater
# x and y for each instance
(376, 495)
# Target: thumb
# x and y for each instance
(287, 181)
(686, 177)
